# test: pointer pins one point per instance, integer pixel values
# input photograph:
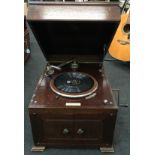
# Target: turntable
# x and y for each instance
(73, 84)
(73, 104)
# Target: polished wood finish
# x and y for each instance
(85, 41)
(82, 32)
(92, 124)
(74, 12)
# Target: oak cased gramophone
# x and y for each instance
(73, 104)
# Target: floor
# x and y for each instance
(119, 77)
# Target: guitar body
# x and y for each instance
(120, 45)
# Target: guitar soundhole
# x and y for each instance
(126, 28)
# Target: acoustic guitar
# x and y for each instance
(120, 45)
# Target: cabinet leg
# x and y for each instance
(107, 149)
(38, 148)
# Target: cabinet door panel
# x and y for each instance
(88, 129)
(58, 129)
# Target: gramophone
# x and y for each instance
(73, 104)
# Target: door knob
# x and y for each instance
(65, 131)
(80, 131)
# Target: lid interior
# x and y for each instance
(74, 39)
(64, 36)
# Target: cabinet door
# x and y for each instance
(58, 129)
(49, 130)
(88, 130)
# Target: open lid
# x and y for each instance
(73, 30)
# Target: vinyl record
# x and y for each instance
(73, 84)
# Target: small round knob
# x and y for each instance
(80, 131)
(65, 131)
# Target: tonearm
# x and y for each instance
(50, 68)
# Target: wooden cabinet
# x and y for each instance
(69, 130)
(82, 33)
(91, 124)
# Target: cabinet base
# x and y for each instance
(42, 148)
(38, 148)
(107, 149)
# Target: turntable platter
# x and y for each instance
(73, 84)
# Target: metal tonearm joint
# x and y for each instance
(51, 68)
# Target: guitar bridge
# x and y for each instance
(123, 42)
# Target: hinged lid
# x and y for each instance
(73, 30)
